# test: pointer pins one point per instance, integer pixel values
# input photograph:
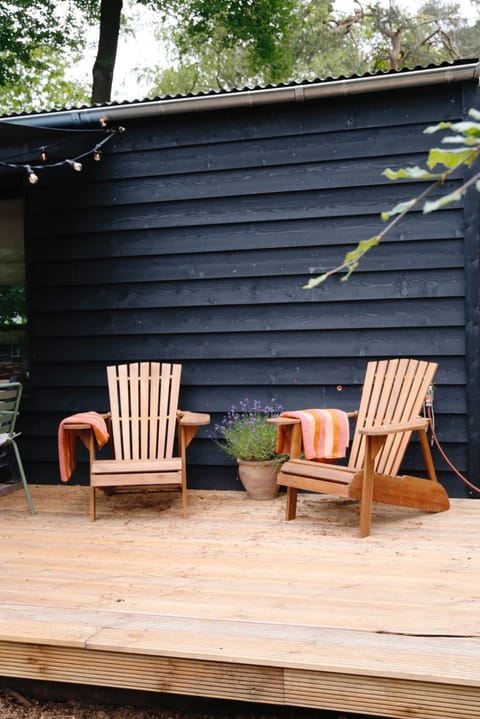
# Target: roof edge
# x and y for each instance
(251, 98)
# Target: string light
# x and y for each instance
(75, 165)
(32, 177)
(74, 162)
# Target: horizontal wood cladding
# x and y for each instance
(333, 235)
(275, 152)
(162, 188)
(341, 315)
(198, 398)
(302, 372)
(193, 238)
(215, 293)
(227, 210)
(241, 264)
(372, 342)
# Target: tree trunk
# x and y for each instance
(110, 14)
(396, 40)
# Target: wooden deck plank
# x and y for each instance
(302, 612)
(293, 646)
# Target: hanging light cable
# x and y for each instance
(74, 162)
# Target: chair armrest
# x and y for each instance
(285, 421)
(417, 424)
(188, 426)
(189, 419)
(82, 425)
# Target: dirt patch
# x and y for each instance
(15, 704)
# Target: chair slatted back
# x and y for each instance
(394, 392)
(143, 405)
(10, 396)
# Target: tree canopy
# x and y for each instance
(260, 27)
(29, 27)
(212, 44)
(320, 43)
(38, 40)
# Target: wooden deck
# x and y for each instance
(235, 603)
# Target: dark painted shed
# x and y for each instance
(190, 241)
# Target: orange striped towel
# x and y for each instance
(325, 433)
(67, 452)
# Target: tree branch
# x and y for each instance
(451, 160)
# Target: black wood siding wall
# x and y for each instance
(192, 239)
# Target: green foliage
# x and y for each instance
(29, 27)
(44, 85)
(311, 40)
(409, 173)
(246, 434)
(260, 27)
(12, 306)
(467, 134)
(225, 44)
(215, 68)
(399, 209)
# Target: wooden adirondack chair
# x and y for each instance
(10, 396)
(391, 402)
(145, 420)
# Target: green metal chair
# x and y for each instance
(10, 396)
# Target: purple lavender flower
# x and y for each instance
(245, 433)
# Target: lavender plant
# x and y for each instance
(245, 433)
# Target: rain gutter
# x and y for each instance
(252, 98)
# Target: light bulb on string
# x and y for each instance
(97, 155)
(77, 166)
(32, 177)
(43, 154)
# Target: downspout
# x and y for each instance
(251, 98)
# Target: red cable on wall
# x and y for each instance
(430, 417)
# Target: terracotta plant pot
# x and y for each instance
(259, 479)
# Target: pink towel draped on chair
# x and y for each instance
(67, 453)
(325, 433)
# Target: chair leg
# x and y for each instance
(366, 505)
(184, 502)
(372, 447)
(92, 504)
(22, 477)
(291, 507)
(184, 483)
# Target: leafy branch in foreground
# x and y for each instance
(465, 134)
